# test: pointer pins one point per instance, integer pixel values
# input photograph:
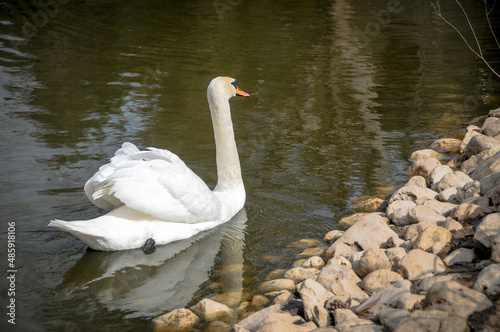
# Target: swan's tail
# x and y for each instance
(87, 234)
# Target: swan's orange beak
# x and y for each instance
(241, 93)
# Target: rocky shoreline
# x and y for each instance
(425, 259)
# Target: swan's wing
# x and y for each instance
(155, 182)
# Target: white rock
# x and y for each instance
(332, 236)
(452, 225)
(277, 285)
(314, 262)
(423, 154)
(452, 297)
(487, 169)
(495, 249)
(283, 296)
(418, 264)
(433, 239)
(488, 280)
(472, 131)
(437, 174)
(447, 144)
(417, 181)
(424, 167)
(314, 296)
(407, 301)
(369, 232)
(395, 254)
(371, 260)
(352, 219)
(380, 279)
(397, 212)
(486, 232)
(386, 298)
(426, 283)
(422, 213)
(333, 272)
(455, 179)
(460, 255)
(392, 317)
(443, 208)
(176, 320)
(418, 195)
(449, 195)
(299, 273)
(340, 260)
(210, 310)
(345, 289)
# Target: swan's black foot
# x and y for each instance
(149, 246)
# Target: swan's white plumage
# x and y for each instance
(153, 194)
(154, 182)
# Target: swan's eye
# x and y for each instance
(233, 83)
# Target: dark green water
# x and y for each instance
(341, 93)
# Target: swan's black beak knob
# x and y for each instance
(149, 246)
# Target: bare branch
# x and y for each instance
(488, 19)
(479, 53)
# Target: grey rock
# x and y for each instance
(408, 301)
(424, 167)
(480, 143)
(488, 280)
(491, 127)
(471, 132)
(426, 283)
(452, 297)
(392, 317)
(486, 231)
(471, 164)
(385, 298)
(460, 255)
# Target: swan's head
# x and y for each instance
(225, 87)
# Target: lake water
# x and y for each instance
(341, 93)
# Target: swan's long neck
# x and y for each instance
(228, 162)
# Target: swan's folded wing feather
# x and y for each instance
(154, 182)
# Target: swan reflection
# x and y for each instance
(147, 285)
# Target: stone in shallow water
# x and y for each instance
(277, 285)
(179, 320)
(447, 144)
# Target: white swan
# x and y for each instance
(153, 194)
